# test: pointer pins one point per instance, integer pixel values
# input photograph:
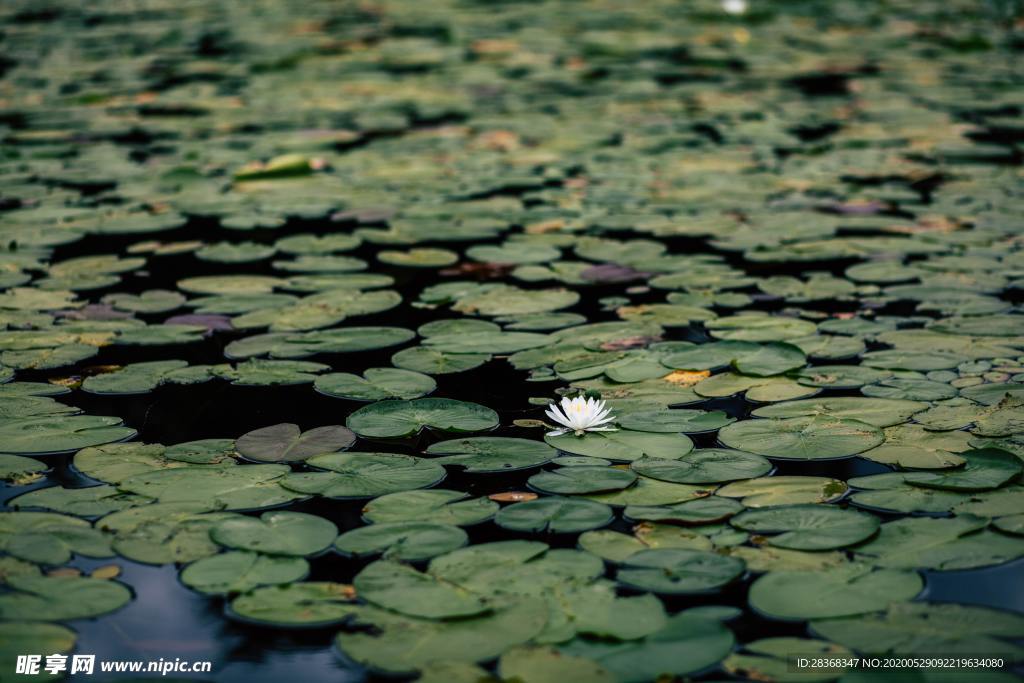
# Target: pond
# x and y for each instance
(516, 341)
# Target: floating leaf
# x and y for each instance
(240, 572)
(555, 514)
(808, 527)
(287, 443)
(364, 475)
(392, 419)
(802, 438)
(839, 592)
(294, 534)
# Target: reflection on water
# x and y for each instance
(166, 620)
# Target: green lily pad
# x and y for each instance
(404, 541)
(162, 533)
(623, 445)
(706, 510)
(546, 665)
(401, 588)
(578, 480)
(944, 544)
(232, 488)
(300, 604)
(377, 384)
(393, 419)
(875, 411)
(60, 598)
(294, 534)
(45, 359)
(18, 470)
(60, 434)
(287, 443)
(91, 501)
(689, 642)
(430, 361)
(784, 490)
(839, 592)
(364, 475)
(113, 463)
(19, 638)
(48, 538)
(913, 628)
(402, 644)
(555, 514)
(770, 659)
(704, 466)
(492, 454)
(256, 372)
(814, 437)
(615, 546)
(432, 505)
(808, 527)
(678, 420)
(983, 469)
(678, 571)
(239, 572)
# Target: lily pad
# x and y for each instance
(839, 592)
(492, 454)
(287, 443)
(433, 505)
(784, 490)
(814, 437)
(294, 534)
(240, 572)
(808, 527)
(908, 629)
(300, 604)
(376, 384)
(555, 514)
(678, 571)
(578, 480)
(364, 475)
(61, 434)
(704, 466)
(623, 445)
(393, 419)
(404, 541)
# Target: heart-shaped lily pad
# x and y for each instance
(376, 384)
(287, 443)
(48, 538)
(555, 514)
(577, 480)
(432, 505)
(405, 590)
(60, 434)
(815, 437)
(492, 453)
(839, 592)
(394, 419)
(278, 532)
(623, 445)
(405, 541)
(299, 604)
(60, 598)
(364, 475)
(704, 466)
(808, 527)
(678, 571)
(240, 572)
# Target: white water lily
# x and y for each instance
(734, 6)
(580, 415)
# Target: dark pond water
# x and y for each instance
(166, 620)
